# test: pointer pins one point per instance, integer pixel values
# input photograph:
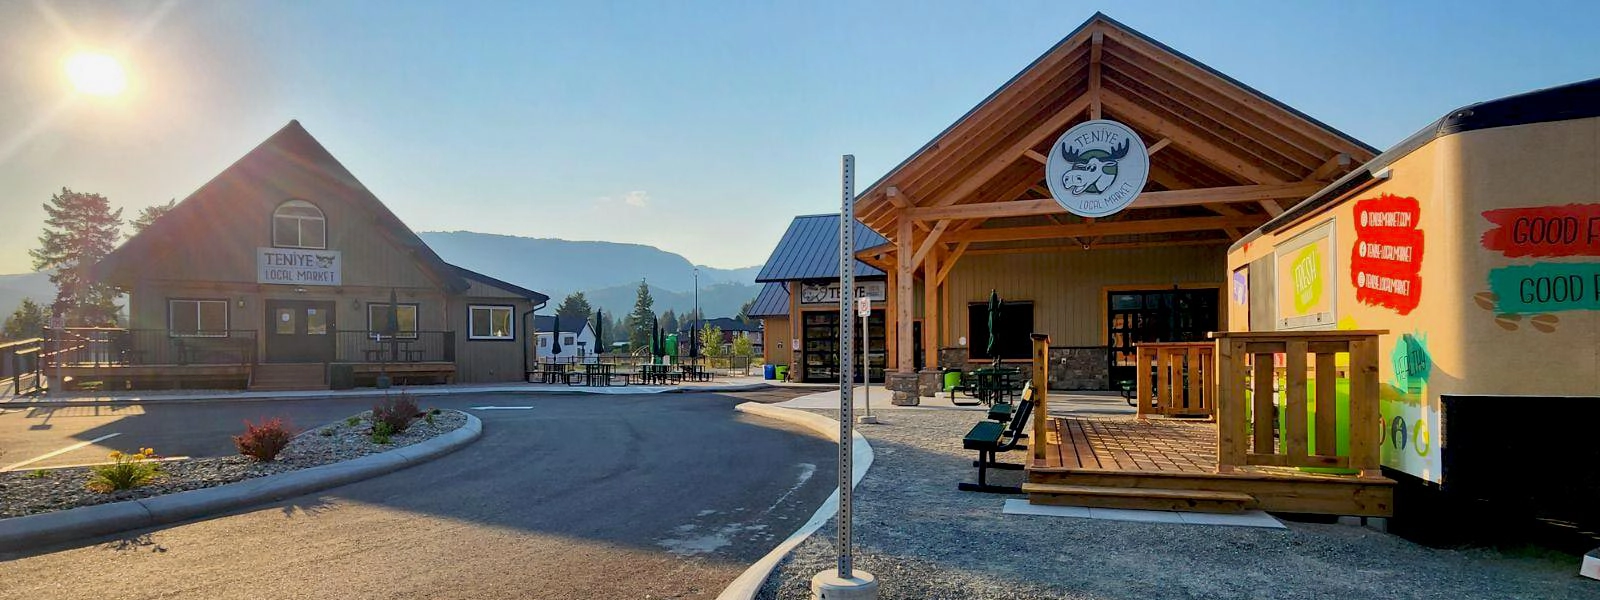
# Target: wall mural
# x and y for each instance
(1386, 260)
(1527, 293)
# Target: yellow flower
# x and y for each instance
(116, 455)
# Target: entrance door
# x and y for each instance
(821, 343)
(1155, 316)
(300, 331)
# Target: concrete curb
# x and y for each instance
(418, 392)
(20, 534)
(750, 581)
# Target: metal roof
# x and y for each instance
(546, 323)
(810, 250)
(773, 301)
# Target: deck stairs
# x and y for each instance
(289, 376)
(1139, 498)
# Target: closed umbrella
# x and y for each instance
(994, 326)
(555, 343)
(655, 338)
(391, 326)
(599, 332)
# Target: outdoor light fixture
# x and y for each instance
(299, 290)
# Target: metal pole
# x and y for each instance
(694, 337)
(866, 368)
(847, 292)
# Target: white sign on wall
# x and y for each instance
(292, 266)
(1097, 168)
(814, 293)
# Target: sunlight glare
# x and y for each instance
(96, 74)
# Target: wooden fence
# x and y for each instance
(1181, 385)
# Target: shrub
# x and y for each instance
(327, 432)
(353, 421)
(38, 474)
(263, 441)
(434, 411)
(381, 432)
(429, 418)
(395, 411)
(128, 471)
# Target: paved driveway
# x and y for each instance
(666, 496)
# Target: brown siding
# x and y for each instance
(1068, 288)
(480, 361)
(775, 340)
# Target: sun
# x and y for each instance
(96, 74)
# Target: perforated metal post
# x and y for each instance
(847, 338)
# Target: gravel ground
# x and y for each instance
(926, 540)
(32, 492)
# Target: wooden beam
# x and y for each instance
(1233, 233)
(1271, 206)
(1156, 147)
(1042, 232)
(1337, 163)
(1096, 41)
(895, 198)
(1201, 148)
(1080, 248)
(1035, 155)
(902, 298)
(1223, 209)
(1010, 154)
(950, 262)
(930, 310)
(1190, 197)
(928, 243)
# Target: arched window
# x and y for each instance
(299, 224)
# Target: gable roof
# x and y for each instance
(535, 297)
(1219, 133)
(291, 152)
(773, 301)
(809, 249)
(547, 323)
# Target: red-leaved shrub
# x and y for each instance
(397, 411)
(265, 440)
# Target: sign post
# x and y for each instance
(845, 582)
(864, 310)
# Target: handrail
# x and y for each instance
(1182, 384)
(1247, 391)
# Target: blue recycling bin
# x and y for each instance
(769, 372)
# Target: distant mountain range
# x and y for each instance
(608, 273)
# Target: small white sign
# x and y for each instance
(863, 307)
(794, 344)
(1097, 168)
(815, 293)
(293, 266)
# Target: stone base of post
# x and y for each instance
(929, 382)
(828, 585)
(902, 389)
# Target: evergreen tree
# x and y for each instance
(574, 309)
(27, 322)
(669, 321)
(80, 230)
(149, 214)
(643, 318)
(744, 312)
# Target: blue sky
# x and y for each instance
(696, 127)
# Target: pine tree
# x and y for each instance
(80, 230)
(744, 312)
(669, 321)
(643, 318)
(27, 322)
(149, 214)
(574, 309)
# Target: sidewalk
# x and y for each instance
(1061, 403)
(724, 384)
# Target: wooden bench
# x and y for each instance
(990, 438)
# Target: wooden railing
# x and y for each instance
(19, 366)
(1181, 384)
(1041, 394)
(1248, 431)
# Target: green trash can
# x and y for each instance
(952, 379)
(782, 372)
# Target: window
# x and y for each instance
(1012, 341)
(299, 224)
(544, 342)
(406, 318)
(197, 318)
(490, 323)
(567, 340)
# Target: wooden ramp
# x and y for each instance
(1171, 465)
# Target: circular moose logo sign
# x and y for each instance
(1097, 168)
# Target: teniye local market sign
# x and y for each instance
(290, 266)
(1097, 168)
(816, 293)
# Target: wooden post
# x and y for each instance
(906, 363)
(1141, 380)
(1327, 405)
(1231, 371)
(1364, 405)
(891, 323)
(930, 310)
(1294, 385)
(1041, 394)
(1263, 400)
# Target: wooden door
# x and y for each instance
(300, 331)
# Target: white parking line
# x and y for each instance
(501, 407)
(61, 451)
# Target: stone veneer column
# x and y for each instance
(903, 388)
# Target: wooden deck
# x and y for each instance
(1172, 464)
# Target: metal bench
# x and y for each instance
(990, 438)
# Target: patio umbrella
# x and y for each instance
(655, 338)
(555, 334)
(599, 332)
(391, 325)
(994, 325)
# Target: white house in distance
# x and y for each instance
(577, 338)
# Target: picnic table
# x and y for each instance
(657, 374)
(993, 385)
(594, 375)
